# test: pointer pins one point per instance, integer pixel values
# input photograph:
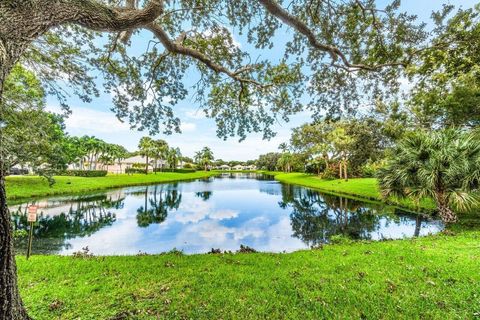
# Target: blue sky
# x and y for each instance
(96, 119)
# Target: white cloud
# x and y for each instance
(92, 121)
(223, 214)
(188, 126)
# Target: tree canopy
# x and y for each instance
(350, 52)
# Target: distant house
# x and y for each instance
(239, 167)
(224, 167)
(135, 161)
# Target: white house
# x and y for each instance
(136, 160)
(239, 167)
(224, 167)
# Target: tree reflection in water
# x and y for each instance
(161, 200)
(60, 220)
(316, 217)
(204, 195)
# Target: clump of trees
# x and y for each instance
(91, 153)
(160, 152)
(204, 158)
(331, 148)
(35, 138)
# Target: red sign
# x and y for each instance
(32, 209)
(32, 214)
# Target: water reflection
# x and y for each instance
(60, 220)
(221, 212)
(315, 218)
(158, 203)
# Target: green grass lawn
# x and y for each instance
(366, 188)
(32, 186)
(435, 277)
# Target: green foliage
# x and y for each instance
(370, 169)
(204, 158)
(147, 86)
(184, 170)
(448, 90)
(32, 136)
(20, 234)
(324, 144)
(329, 174)
(84, 173)
(268, 161)
(442, 165)
(135, 170)
(340, 239)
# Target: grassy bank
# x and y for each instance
(34, 186)
(426, 278)
(366, 188)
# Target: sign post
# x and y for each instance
(32, 217)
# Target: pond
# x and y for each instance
(221, 212)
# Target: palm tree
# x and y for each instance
(146, 147)
(207, 157)
(443, 165)
(204, 157)
(173, 157)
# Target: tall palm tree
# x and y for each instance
(160, 151)
(207, 157)
(173, 157)
(443, 165)
(146, 147)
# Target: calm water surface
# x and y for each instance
(222, 212)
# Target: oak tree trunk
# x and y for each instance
(11, 306)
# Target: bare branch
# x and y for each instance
(176, 47)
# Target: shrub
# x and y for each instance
(184, 170)
(20, 234)
(340, 239)
(85, 173)
(135, 170)
(329, 174)
(370, 169)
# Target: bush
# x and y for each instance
(85, 173)
(329, 174)
(340, 239)
(135, 170)
(184, 170)
(370, 169)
